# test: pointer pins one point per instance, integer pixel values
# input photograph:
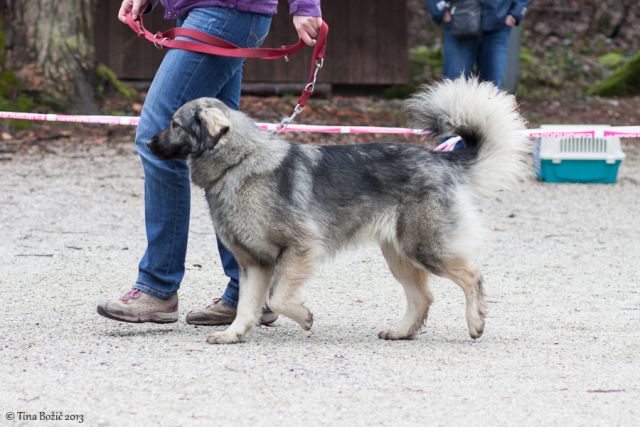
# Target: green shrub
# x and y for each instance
(425, 64)
(624, 81)
(611, 59)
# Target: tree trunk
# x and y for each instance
(624, 14)
(50, 48)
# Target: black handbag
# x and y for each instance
(466, 18)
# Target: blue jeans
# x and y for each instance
(488, 52)
(184, 76)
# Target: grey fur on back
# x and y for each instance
(281, 194)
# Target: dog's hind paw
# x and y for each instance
(475, 323)
(224, 337)
(394, 334)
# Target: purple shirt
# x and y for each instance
(178, 8)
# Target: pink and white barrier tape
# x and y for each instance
(102, 120)
(578, 131)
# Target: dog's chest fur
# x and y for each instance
(243, 204)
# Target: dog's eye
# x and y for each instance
(174, 124)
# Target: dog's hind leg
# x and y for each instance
(419, 298)
(470, 280)
(254, 282)
(293, 267)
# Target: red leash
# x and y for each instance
(213, 45)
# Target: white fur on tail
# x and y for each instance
(466, 105)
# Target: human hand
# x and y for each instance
(308, 28)
(510, 21)
(135, 7)
(446, 17)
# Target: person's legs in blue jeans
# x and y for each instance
(493, 55)
(459, 55)
(184, 76)
(459, 59)
(231, 269)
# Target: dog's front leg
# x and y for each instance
(254, 282)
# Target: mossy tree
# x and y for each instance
(49, 48)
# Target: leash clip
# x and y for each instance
(288, 120)
(308, 91)
(311, 86)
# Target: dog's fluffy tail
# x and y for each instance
(487, 120)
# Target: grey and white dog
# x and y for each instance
(280, 207)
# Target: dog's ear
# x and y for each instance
(214, 121)
(212, 126)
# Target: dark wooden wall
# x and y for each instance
(367, 44)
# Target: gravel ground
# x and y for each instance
(561, 346)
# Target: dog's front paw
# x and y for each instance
(224, 337)
(476, 328)
(299, 314)
(394, 334)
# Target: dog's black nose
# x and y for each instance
(152, 145)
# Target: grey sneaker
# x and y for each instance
(137, 307)
(220, 313)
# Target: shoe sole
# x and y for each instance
(266, 322)
(151, 318)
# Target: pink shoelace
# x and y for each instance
(132, 294)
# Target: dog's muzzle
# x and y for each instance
(164, 150)
(153, 146)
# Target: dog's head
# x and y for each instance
(196, 128)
